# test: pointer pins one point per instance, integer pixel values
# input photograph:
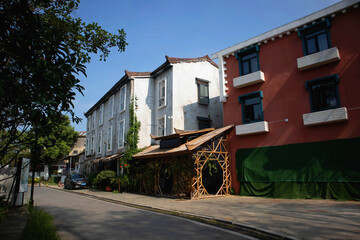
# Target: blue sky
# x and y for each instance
(185, 28)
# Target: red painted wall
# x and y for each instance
(284, 90)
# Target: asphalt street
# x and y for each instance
(80, 217)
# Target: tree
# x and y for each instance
(43, 50)
(57, 139)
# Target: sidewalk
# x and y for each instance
(14, 225)
(303, 219)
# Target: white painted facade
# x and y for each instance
(176, 107)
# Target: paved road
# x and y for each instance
(78, 217)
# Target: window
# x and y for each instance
(203, 91)
(204, 122)
(93, 120)
(248, 60)
(101, 114)
(161, 131)
(122, 98)
(109, 139)
(92, 144)
(88, 124)
(324, 93)
(316, 37)
(121, 134)
(87, 145)
(111, 107)
(99, 142)
(162, 93)
(252, 110)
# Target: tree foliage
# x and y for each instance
(43, 50)
(57, 139)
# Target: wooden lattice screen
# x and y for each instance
(215, 150)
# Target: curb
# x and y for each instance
(223, 223)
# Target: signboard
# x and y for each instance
(24, 175)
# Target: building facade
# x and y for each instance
(292, 93)
(182, 93)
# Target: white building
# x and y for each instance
(182, 93)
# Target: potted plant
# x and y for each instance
(104, 179)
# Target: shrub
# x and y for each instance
(123, 181)
(91, 177)
(104, 178)
(37, 180)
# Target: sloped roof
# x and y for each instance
(180, 133)
(187, 148)
(137, 74)
(205, 58)
(173, 60)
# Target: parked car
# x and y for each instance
(76, 180)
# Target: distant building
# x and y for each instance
(182, 93)
(293, 94)
(74, 161)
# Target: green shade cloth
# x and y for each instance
(330, 161)
(329, 169)
(305, 190)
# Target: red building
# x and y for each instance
(294, 95)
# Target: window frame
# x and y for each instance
(246, 52)
(87, 146)
(122, 122)
(111, 108)
(99, 147)
(159, 93)
(335, 79)
(244, 97)
(92, 145)
(122, 106)
(101, 114)
(313, 28)
(88, 124)
(164, 125)
(109, 139)
(93, 122)
(205, 100)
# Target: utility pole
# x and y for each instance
(34, 157)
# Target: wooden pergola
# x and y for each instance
(196, 148)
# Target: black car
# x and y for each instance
(76, 180)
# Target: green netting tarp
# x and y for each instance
(330, 161)
(307, 190)
(328, 170)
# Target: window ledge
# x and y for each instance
(317, 59)
(249, 79)
(326, 116)
(252, 128)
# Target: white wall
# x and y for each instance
(186, 106)
(144, 108)
(181, 110)
(168, 109)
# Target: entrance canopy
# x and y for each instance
(191, 142)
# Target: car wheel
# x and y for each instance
(72, 186)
